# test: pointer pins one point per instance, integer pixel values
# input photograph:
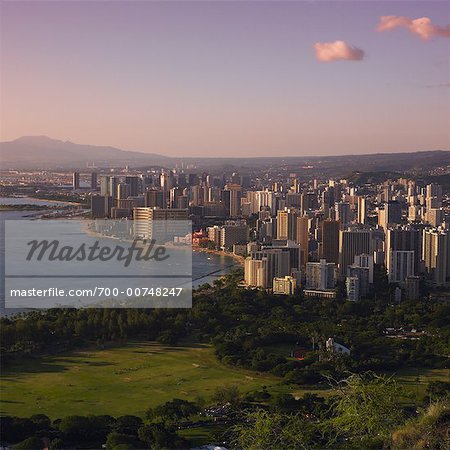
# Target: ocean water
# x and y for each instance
(206, 267)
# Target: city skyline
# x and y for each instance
(228, 79)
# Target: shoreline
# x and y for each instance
(239, 259)
(62, 202)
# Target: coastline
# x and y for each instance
(239, 259)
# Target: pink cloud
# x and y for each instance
(422, 27)
(337, 50)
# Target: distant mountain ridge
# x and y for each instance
(44, 152)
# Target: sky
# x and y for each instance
(228, 78)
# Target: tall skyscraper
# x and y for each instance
(104, 185)
(361, 207)
(160, 224)
(401, 265)
(234, 192)
(343, 213)
(391, 214)
(123, 191)
(366, 262)
(255, 272)
(352, 288)
(404, 238)
(277, 264)
(133, 182)
(330, 240)
(320, 275)
(302, 237)
(434, 196)
(155, 198)
(76, 180)
(353, 242)
(94, 180)
(436, 254)
(287, 224)
(113, 183)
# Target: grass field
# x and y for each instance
(133, 377)
(415, 381)
(119, 380)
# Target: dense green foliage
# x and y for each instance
(254, 330)
(245, 325)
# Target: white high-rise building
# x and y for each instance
(320, 275)
(352, 287)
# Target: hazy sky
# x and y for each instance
(228, 78)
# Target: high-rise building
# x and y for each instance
(232, 199)
(287, 224)
(160, 224)
(412, 287)
(133, 182)
(76, 180)
(302, 238)
(433, 196)
(284, 285)
(100, 206)
(391, 215)
(320, 275)
(255, 272)
(94, 181)
(229, 234)
(155, 198)
(362, 273)
(401, 265)
(294, 200)
(436, 255)
(276, 264)
(434, 216)
(104, 185)
(353, 242)
(233, 233)
(343, 213)
(113, 183)
(352, 288)
(123, 191)
(365, 261)
(330, 240)
(362, 212)
(404, 238)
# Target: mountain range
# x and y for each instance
(46, 153)
(42, 152)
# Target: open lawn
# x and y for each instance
(130, 378)
(415, 381)
(119, 380)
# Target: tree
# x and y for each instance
(114, 440)
(31, 443)
(261, 429)
(366, 407)
(157, 436)
(41, 421)
(227, 394)
(128, 424)
(172, 411)
(75, 427)
(13, 429)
